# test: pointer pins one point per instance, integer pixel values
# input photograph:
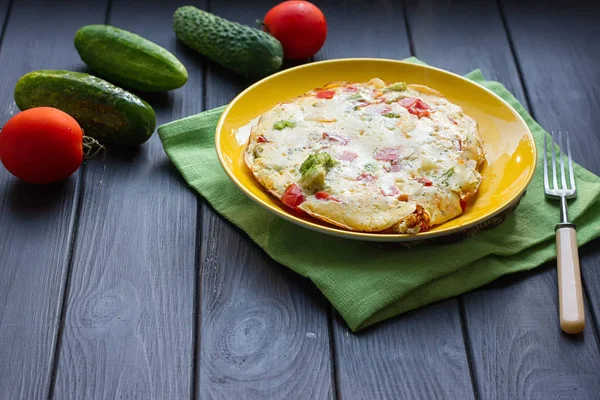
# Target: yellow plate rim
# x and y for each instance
(365, 236)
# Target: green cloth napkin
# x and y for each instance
(367, 282)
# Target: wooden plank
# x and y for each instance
(129, 325)
(359, 28)
(559, 63)
(420, 355)
(516, 347)
(556, 47)
(264, 331)
(4, 13)
(36, 221)
(449, 35)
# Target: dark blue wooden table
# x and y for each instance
(121, 283)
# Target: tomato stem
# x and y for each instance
(91, 147)
(261, 25)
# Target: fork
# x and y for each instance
(570, 297)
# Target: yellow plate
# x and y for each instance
(509, 146)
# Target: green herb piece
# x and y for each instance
(355, 96)
(279, 125)
(394, 100)
(314, 169)
(391, 115)
(396, 87)
(447, 174)
(370, 167)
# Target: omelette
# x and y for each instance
(370, 157)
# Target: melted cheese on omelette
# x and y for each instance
(369, 156)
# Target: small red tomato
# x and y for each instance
(415, 106)
(322, 195)
(326, 196)
(41, 145)
(300, 27)
(424, 181)
(292, 197)
(325, 94)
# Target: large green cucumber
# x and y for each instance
(245, 50)
(129, 60)
(104, 111)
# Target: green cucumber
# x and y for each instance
(104, 111)
(129, 60)
(242, 49)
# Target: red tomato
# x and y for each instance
(325, 94)
(415, 106)
(300, 27)
(463, 204)
(326, 196)
(292, 197)
(41, 145)
(424, 181)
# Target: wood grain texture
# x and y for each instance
(420, 355)
(35, 221)
(364, 28)
(264, 329)
(463, 35)
(4, 11)
(516, 345)
(559, 61)
(129, 326)
(556, 46)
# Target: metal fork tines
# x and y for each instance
(570, 296)
(564, 191)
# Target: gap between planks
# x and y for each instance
(528, 106)
(5, 22)
(67, 285)
(461, 305)
(198, 263)
(70, 260)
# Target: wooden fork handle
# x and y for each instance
(570, 296)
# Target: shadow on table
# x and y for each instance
(28, 199)
(121, 154)
(166, 167)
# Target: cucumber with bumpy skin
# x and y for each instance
(104, 111)
(129, 60)
(242, 49)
